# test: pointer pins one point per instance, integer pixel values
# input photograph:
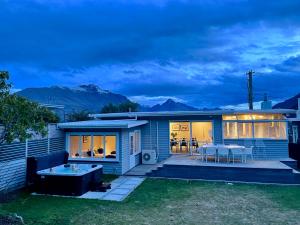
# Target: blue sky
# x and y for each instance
(196, 52)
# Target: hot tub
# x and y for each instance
(69, 179)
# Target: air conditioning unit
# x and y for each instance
(149, 157)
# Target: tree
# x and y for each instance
(128, 107)
(79, 116)
(110, 108)
(4, 86)
(123, 107)
(20, 118)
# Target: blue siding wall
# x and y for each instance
(125, 151)
(150, 141)
(218, 133)
(264, 149)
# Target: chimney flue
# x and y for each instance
(266, 104)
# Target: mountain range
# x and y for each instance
(171, 105)
(291, 103)
(90, 98)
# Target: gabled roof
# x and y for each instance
(102, 124)
(190, 113)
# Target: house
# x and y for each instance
(294, 136)
(116, 140)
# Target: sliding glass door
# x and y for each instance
(187, 136)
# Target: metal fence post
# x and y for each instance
(26, 148)
(48, 147)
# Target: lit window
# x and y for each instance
(244, 117)
(262, 125)
(98, 146)
(229, 117)
(267, 117)
(273, 130)
(110, 147)
(230, 130)
(254, 117)
(245, 130)
(93, 146)
(74, 146)
(86, 146)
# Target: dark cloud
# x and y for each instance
(292, 64)
(197, 51)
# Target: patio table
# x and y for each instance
(231, 148)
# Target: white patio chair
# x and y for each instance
(238, 152)
(248, 152)
(201, 152)
(223, 151)
(210, 151)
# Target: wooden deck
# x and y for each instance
(192, 167)
(188, 160)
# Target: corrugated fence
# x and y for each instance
(13, 159)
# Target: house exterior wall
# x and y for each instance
(155, 135)
(153, 140)
(263, 148)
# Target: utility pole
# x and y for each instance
(250, 88)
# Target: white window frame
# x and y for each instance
(92, 134)
(295, 134)
(137, 148)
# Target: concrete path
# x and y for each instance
(120, 189)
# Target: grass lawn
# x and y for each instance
(161, 201)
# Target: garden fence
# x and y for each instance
(13, 159)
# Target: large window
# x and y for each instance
(74, 147)
(187, 136)
(275, 130)
(253, 117)
(230, 130)
(93, 146)
(98, 146)
(202, 132)
(254, 126)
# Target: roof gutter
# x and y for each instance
(135, 115)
